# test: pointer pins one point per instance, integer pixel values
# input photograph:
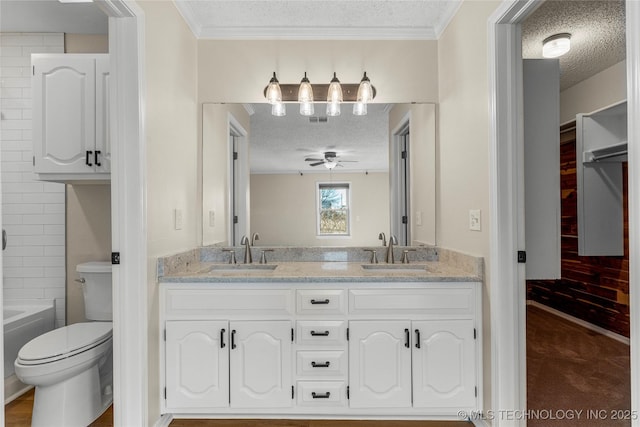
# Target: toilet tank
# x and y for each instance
(96, 289)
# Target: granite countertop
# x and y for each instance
(314, 272)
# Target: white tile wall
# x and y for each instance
(33, 212)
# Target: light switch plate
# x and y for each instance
(177, 219)
(474, 220)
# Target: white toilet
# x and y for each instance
(72, 367)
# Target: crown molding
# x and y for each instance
(316, 33)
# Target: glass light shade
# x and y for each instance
(334, 93)
(273, 92)
(306, 109)
(556, 45)
(305, 91)
(330, 165)
(333, 109)
(365, 91)
(359, 109)
(278, 109)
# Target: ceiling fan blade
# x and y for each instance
(347, 161)
(316, 163)
(311, 159)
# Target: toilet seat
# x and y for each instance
(64, 342)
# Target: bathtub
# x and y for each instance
(23, 321)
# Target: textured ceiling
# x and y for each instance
(318, 19)
(597, 31)
(280, 144)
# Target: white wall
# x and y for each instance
(283, 208)
(463, 145)
(33, 212)
(601, 90)
(238, 71)
(171, 122)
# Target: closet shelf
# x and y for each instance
(612, 153)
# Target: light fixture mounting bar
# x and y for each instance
(349, 91)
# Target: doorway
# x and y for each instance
(399, 173)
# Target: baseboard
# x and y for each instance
(580, 322)
(164, 421)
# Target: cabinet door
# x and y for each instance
(261, 374)
(102, 153)
(63, 113)
(444, 364)
(379, 364)
(197, 364)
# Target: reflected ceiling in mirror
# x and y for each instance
(281, 144)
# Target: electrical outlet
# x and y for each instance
(177, 219)
(474, 220)
(212, 218)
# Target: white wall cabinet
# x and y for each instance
(71, 117)
(220, 364)
(342, 350)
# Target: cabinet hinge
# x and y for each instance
(403, 154)
(292, 335)
(405, 219)
(293, 393)
(474, 333)
(347, 392)
(347, 334)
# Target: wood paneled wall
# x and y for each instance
(591, 288)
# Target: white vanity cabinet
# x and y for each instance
(71, 117)
(361, 350)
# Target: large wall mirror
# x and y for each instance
(316, 180)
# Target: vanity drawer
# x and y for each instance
(321, 363)
(321, 332)
(321, 393)
(180, 302)
(444, 300)
(325, 301)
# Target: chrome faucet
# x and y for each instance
(392, 241)
(254, 237)
(382, 237)
(247, 249)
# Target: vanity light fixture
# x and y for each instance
(305, 97)
(556, 45)
(273, 92)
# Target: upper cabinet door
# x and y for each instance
(197, 364)
(261, 370)
(444, 365)
(379, 364)
(64, 113)
(102, 156)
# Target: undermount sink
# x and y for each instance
(380, 268)
(243, 267)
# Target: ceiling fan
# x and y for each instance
(329, 161)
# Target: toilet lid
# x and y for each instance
(64, 342)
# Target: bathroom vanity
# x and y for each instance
(321, 340)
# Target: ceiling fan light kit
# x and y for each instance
(335, 93)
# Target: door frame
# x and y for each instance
(395, 170)
(508, 327)
(239, 174)
(129, 212)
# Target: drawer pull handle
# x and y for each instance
(320, 365)
(407, 338)
(320, 396)
(222, 344)
(319, 334)
(233, 339)
(320, 301)
(417, 338)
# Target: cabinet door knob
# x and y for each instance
(87, 159)
(319, 334)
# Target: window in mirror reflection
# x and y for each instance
(333, 212)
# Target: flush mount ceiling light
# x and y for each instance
(305, 94)
(556, 45)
